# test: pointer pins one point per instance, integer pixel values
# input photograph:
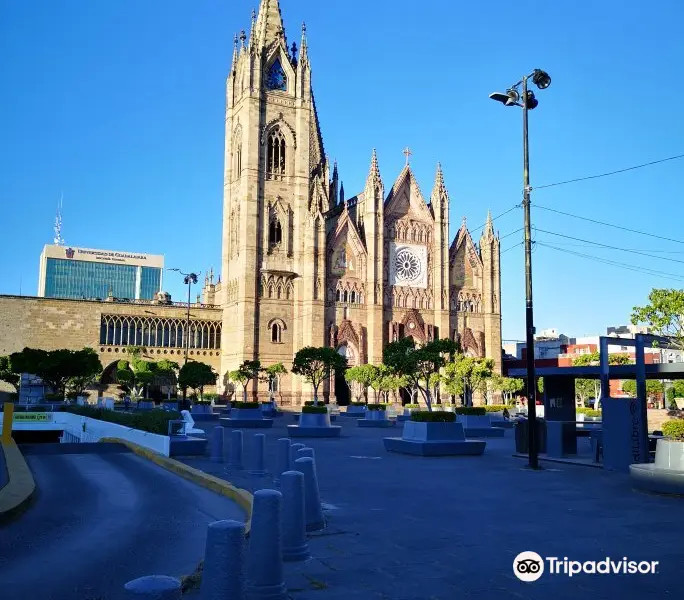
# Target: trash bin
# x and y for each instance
(522, 436)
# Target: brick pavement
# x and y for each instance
(410, 528)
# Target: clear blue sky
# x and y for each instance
(120, 105)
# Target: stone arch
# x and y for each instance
(285, 127)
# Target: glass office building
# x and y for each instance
(83, 273)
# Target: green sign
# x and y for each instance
(32, 417)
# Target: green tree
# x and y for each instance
(466, 374)
(362, 375)
(508, 386)
(653, 387)
(245, 373)
(271, 375)
(8, 374)
(664, 314)
(390, 382)
(195, 375)
(86, 368)
(678, 387)
(419, 365)
(587, 388)
(316, 365)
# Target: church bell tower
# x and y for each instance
(276, 190)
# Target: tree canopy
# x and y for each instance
(271, 374)
(363, 376)
(508, 386)
(247, 371)
(465, 374)
(316, 365)
(196, 375)
(653, 387)
(8, 374)
(664, 314)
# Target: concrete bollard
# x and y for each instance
(258, 450)
(226, 444)
(282, 458)
(224, 559)
(235, 461)
(293, 452)
(302, 452)
(217, 445)
(295, 546)
(265, 554)
(158, 587)
(312, 497)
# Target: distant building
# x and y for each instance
(548, 343)
(87, 274)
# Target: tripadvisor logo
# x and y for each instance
(529, 566)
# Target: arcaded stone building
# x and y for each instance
(304, 266)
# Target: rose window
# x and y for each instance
(407, 265)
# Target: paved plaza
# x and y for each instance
(408, 528)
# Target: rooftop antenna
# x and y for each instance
(58, 239)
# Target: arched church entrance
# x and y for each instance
(342, 391)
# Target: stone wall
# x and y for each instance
(51, 324)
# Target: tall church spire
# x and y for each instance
(304, 47)
(269, 23)
(235, 54)
(374, 173)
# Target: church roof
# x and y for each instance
(463, 237)
(416, 198)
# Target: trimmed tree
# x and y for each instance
(195, 375)
(316, 365)
(390, 382)
(465, 374)
(363, 376)
(271, 374)
(86, 368)
(653, 387)
(247, 371)
(508, 386)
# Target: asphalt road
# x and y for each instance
(100, 520)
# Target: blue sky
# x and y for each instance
(120, 105)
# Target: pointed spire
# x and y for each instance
(303, 48)
(269, 22)
(374, 173)
(335, 168)
(489, 226)
(243, 39)
(342, 192)
(440, 197)
(464, 223)
(235, 54)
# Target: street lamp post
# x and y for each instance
(188, 279)
(526, 100)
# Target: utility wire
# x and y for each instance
(629, 267)
(609, 246)
(497, 217)
(648, 164)
(653, 235)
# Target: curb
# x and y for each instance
(241, 497)
(19, 492)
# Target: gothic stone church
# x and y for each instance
(304, 266)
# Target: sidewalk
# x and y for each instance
(409, 528)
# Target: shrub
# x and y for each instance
(437, 416)
(377, 407)
(53, 398)
(588, 412)
(309, 403)
(495, 407)
(357, 404)
(246, 405)
(409, 406)
(314, 410)
(674, 430)
(154, 421)
(471, 411)
(211, 396)
(204, 402)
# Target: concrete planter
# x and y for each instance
(666, 475)
(375, 418)
(434, 439)
(249, 418)
(314, 425)
(479, 426)
(169, 405)
(201, 409)
(355, 411)
(146, 405)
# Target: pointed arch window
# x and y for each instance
(276, 79)
(275, 233)
(275, 157)
(276, 333)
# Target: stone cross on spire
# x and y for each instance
(407, 153)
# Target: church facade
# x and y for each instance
(304, 266)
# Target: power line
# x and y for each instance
(610, 247)
(648, 164)
(653, 235)
(511, 233)
(497, 217)
(592, 245)
(629, 267)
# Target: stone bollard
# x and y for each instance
(312, 498)
(295, 546)
(235, 449)
(302, 452)
(159, 587)
(282, 458)
(226, 444)
(217, 445)
(224, 559)
(293, 452)
(258, 450)
(265, 554)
